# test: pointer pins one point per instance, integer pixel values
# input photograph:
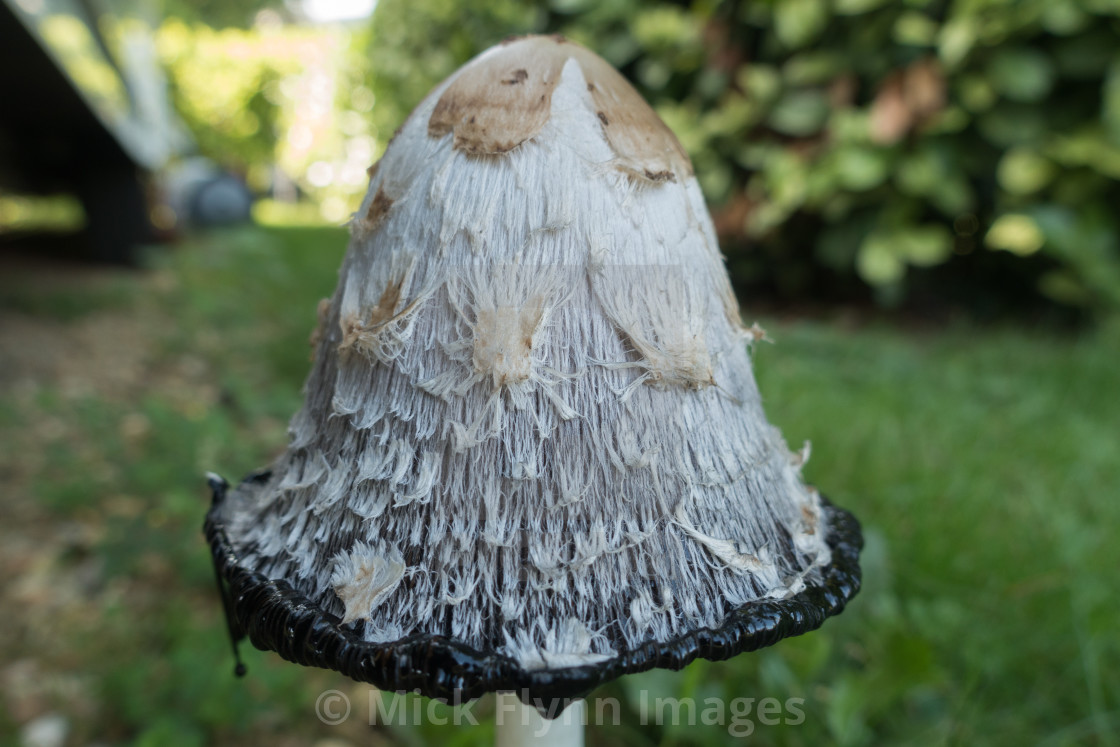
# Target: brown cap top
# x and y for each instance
(503, 97)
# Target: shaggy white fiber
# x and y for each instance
(531, 424)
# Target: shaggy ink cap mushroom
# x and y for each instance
(532, 455)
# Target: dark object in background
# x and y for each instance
(84, 116)
(203, 195)
(221, 200)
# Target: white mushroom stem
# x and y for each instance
(519, 724)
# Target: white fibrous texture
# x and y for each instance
(531, 425)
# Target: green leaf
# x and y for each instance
(975, 92)
(786, 179)
(886, 251)
(664, 27)
(760, 82)
(1064, 18)
(1088, 148)
(1021, 74)
(956, 41)
(799, 113)
(925, 245)
(1065, 287)
(1023, 171)
(1016, 233)
(798, 22)
(877, 262)
(860, 168)
(934, 173)
(916, 29)
(813, 68)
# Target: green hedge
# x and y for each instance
(849, 138)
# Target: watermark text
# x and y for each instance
(739, 716)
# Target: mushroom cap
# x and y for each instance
(532, 455)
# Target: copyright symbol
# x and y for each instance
(332, 707)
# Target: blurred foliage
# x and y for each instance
(839, 139)
(223, 84)
(215, 13)
(60, 213)
(283, 104)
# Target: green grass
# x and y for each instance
(984, 466)
(111, 290)
(982, 463)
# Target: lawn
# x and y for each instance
(983, 463)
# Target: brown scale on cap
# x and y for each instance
(355, 330)
(374, 215)
(503, 98)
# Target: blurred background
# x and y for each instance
(918, 199)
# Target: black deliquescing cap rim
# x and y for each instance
(277, 617)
